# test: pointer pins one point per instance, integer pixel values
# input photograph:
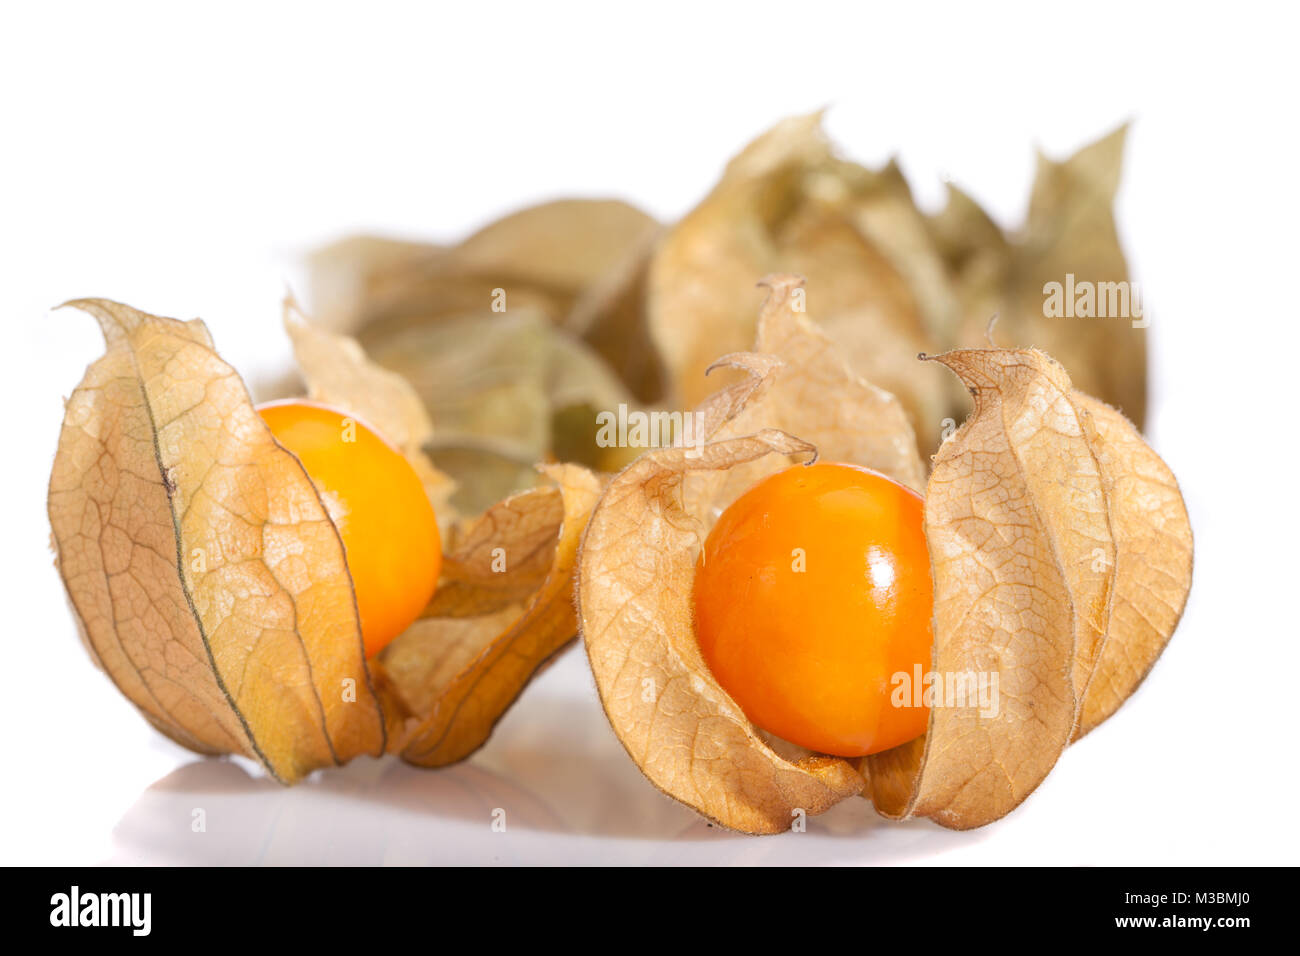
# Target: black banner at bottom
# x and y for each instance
(300, 905)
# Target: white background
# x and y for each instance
(183, 158)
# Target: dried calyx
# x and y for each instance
(211, 583)
(1061, 560)
(212, 586)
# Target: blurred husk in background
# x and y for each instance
(517, 337)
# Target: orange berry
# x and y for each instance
(812, 592)
(378, 504)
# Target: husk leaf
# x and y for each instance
(212, 587)
(1049, 522)
(1061, 559)
(202, 565)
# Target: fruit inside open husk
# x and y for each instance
(1061, 558)
(211, 584)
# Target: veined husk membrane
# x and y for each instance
(1061, 556)
(212, 587)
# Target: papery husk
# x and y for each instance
(610, 316)
(200, 561)
(473, 583)
(573, 262)
(786, 204)
(342, 275)
(1061, 560)
(634, 597)
(1049, 520)
(655, 307)
(891, 281)
(502, 607)
(801, 384)
(212, 587)
(513, 338)
(503, 388)
(1069, 229)
(546, 254)
(1153, 572)
(451, 676)
(638, 563)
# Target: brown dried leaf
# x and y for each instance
(610, 316)
(484, 472)
(883, 209)
(978, 258)
(200, 561)
(1070, 230)
(700, 295)
(481, 377)
(566, 243)
(508, 337)
(340, 275)
(1153, 569)
(456, 676)
(634, 598)
(498, 386)
(816, 395)
(417, 669)
(962, 233)
(1038, 521)
(544, 257)
(785, 205)
(870, 311)
(798, 383)
(1013, 509)
(517, 535)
